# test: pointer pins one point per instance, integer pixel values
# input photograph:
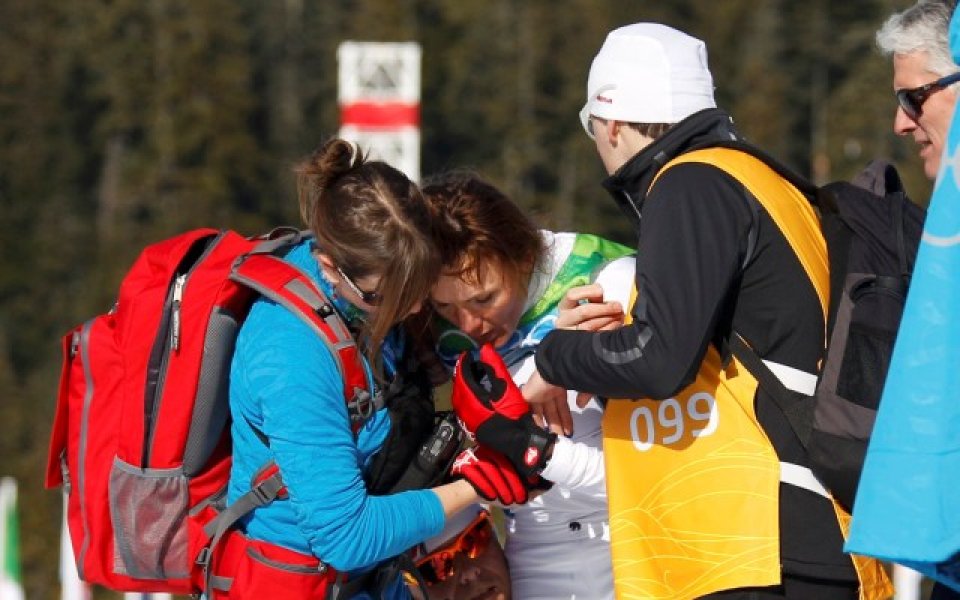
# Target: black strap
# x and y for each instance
(797, 408)
(839, 238)
(897, 203)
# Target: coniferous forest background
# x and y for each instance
(125, 121)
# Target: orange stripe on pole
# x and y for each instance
(380, 114)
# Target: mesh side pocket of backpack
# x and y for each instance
(852, 379)
(148, 509)
(872, 330)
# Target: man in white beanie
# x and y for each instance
(710, 491)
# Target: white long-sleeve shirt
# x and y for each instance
(558, 544)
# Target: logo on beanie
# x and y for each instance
(604, 99)
(531, 457)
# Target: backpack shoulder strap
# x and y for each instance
(286, 285)
(789, 208)
(797, 408)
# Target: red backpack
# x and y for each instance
(141, 441)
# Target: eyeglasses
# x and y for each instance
(472, 541)
(371, 298)
(601, 95)
(911, 99)
(590, 119)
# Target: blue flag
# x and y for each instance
(908, 502)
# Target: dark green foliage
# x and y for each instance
(124, 121)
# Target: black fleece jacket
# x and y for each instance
(708, 256)
(710, 260)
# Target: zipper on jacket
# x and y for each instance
(171, 335)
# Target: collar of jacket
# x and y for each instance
(629, 184)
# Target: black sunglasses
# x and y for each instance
(911, 99)
(371, 298)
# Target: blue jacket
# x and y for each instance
(284, 380)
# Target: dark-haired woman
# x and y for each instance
(504, 282)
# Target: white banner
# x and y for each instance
(379, 97)
(71, 587)
(10, 585)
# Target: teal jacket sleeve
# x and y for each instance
(292, 378)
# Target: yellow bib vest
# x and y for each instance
(693, 481)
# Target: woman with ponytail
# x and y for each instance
(372, 256)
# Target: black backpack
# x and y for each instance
(872, 231)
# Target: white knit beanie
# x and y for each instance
(648, 73)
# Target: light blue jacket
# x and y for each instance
(285, 381)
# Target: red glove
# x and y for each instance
(494, 412)
(491, 475)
